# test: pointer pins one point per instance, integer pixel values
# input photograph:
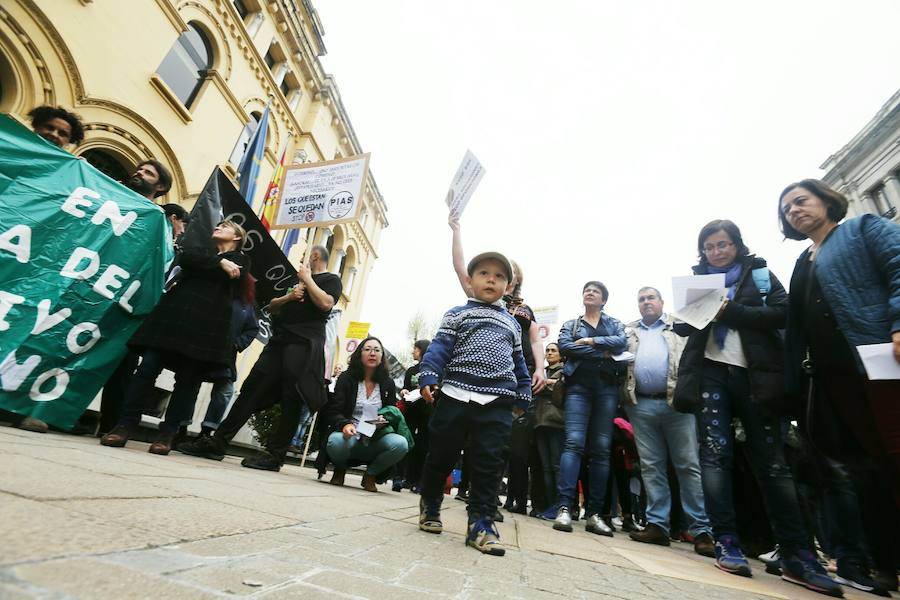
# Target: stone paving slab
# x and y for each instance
(84, 521)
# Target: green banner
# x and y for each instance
(82, 261)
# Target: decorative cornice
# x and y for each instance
(173, 15)
(214, 21)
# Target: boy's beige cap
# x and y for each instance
(493, 256)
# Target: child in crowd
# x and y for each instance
(477, 357)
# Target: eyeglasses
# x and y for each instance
(720, 246)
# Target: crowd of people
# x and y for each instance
(647, 426)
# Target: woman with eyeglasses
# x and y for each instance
(734, 367)
(363, 429)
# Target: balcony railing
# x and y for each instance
(890, 213)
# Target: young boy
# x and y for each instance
(477, 357)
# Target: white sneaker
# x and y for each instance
(773, 556)
(563, 521)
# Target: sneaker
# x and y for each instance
(594, 524)
(730, 558)
(610, 522)
(117, 438)
(262, 461)
(430, 515)
(704, 545)
(397, 486)
(209, 447)
(628, 525)
(462, 495)
(853, 574)
(772, 560)
(484, 537)
(803, 569)
(563, 520)
(652, 534)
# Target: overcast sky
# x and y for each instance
(610, 132)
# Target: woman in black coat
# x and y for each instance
(188, 332)
(352, 418)
(734, 368)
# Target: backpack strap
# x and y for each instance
(763, 281)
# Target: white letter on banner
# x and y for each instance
(120, 222)
(7, 301)
(79, 198)
(47, 321)
(75, 261)
(72, 339)
(62, 382)
(12, 374)
(125, 300)
(110, 279)
(22, 249)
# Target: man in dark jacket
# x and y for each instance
(290, 371)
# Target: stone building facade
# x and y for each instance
(867, 168)
(179, 81)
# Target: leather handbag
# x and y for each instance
(558, 393)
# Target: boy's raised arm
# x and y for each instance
(459, 260)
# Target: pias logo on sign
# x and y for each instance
(340, 204)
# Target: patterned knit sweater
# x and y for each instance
(478, 347)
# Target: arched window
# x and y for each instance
(108, 164)
(185, 66)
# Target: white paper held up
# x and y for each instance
(467, 178)
(365, 428)
(413, 396)
(879, 361)
(690, 288)
(701, 312)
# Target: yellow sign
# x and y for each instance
(357, 330)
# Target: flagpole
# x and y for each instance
(282, 154)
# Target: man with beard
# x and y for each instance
(151, 179)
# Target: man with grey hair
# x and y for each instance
(290, 371)
(659, 430)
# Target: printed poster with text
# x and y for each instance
(82, 261)
(322, 193)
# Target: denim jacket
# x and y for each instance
(611, 339)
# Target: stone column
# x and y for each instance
(868, 204)
(891, 191)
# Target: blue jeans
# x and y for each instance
(379, 455)
(301, 429)
(660, 431)
(725, 393)
(219, 399)
(589, 411)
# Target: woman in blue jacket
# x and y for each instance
(845, 293)
(587, 343)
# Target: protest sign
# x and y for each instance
(546, 315)
(467, 178)
(220, 200)
(357, 330)
(82, 262)
(322, 193)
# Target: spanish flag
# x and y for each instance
(267, 214)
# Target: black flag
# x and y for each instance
(219, 201)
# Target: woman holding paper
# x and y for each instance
(734, 367)
(845, 297)
(366, 426)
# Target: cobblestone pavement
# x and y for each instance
(84, 521)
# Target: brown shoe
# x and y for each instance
(704, 545)
(32, 424)
(652, 534)
(337, 478)
(163, 443)
(117, 437)
(368, 483)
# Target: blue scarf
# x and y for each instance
(732, 275)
